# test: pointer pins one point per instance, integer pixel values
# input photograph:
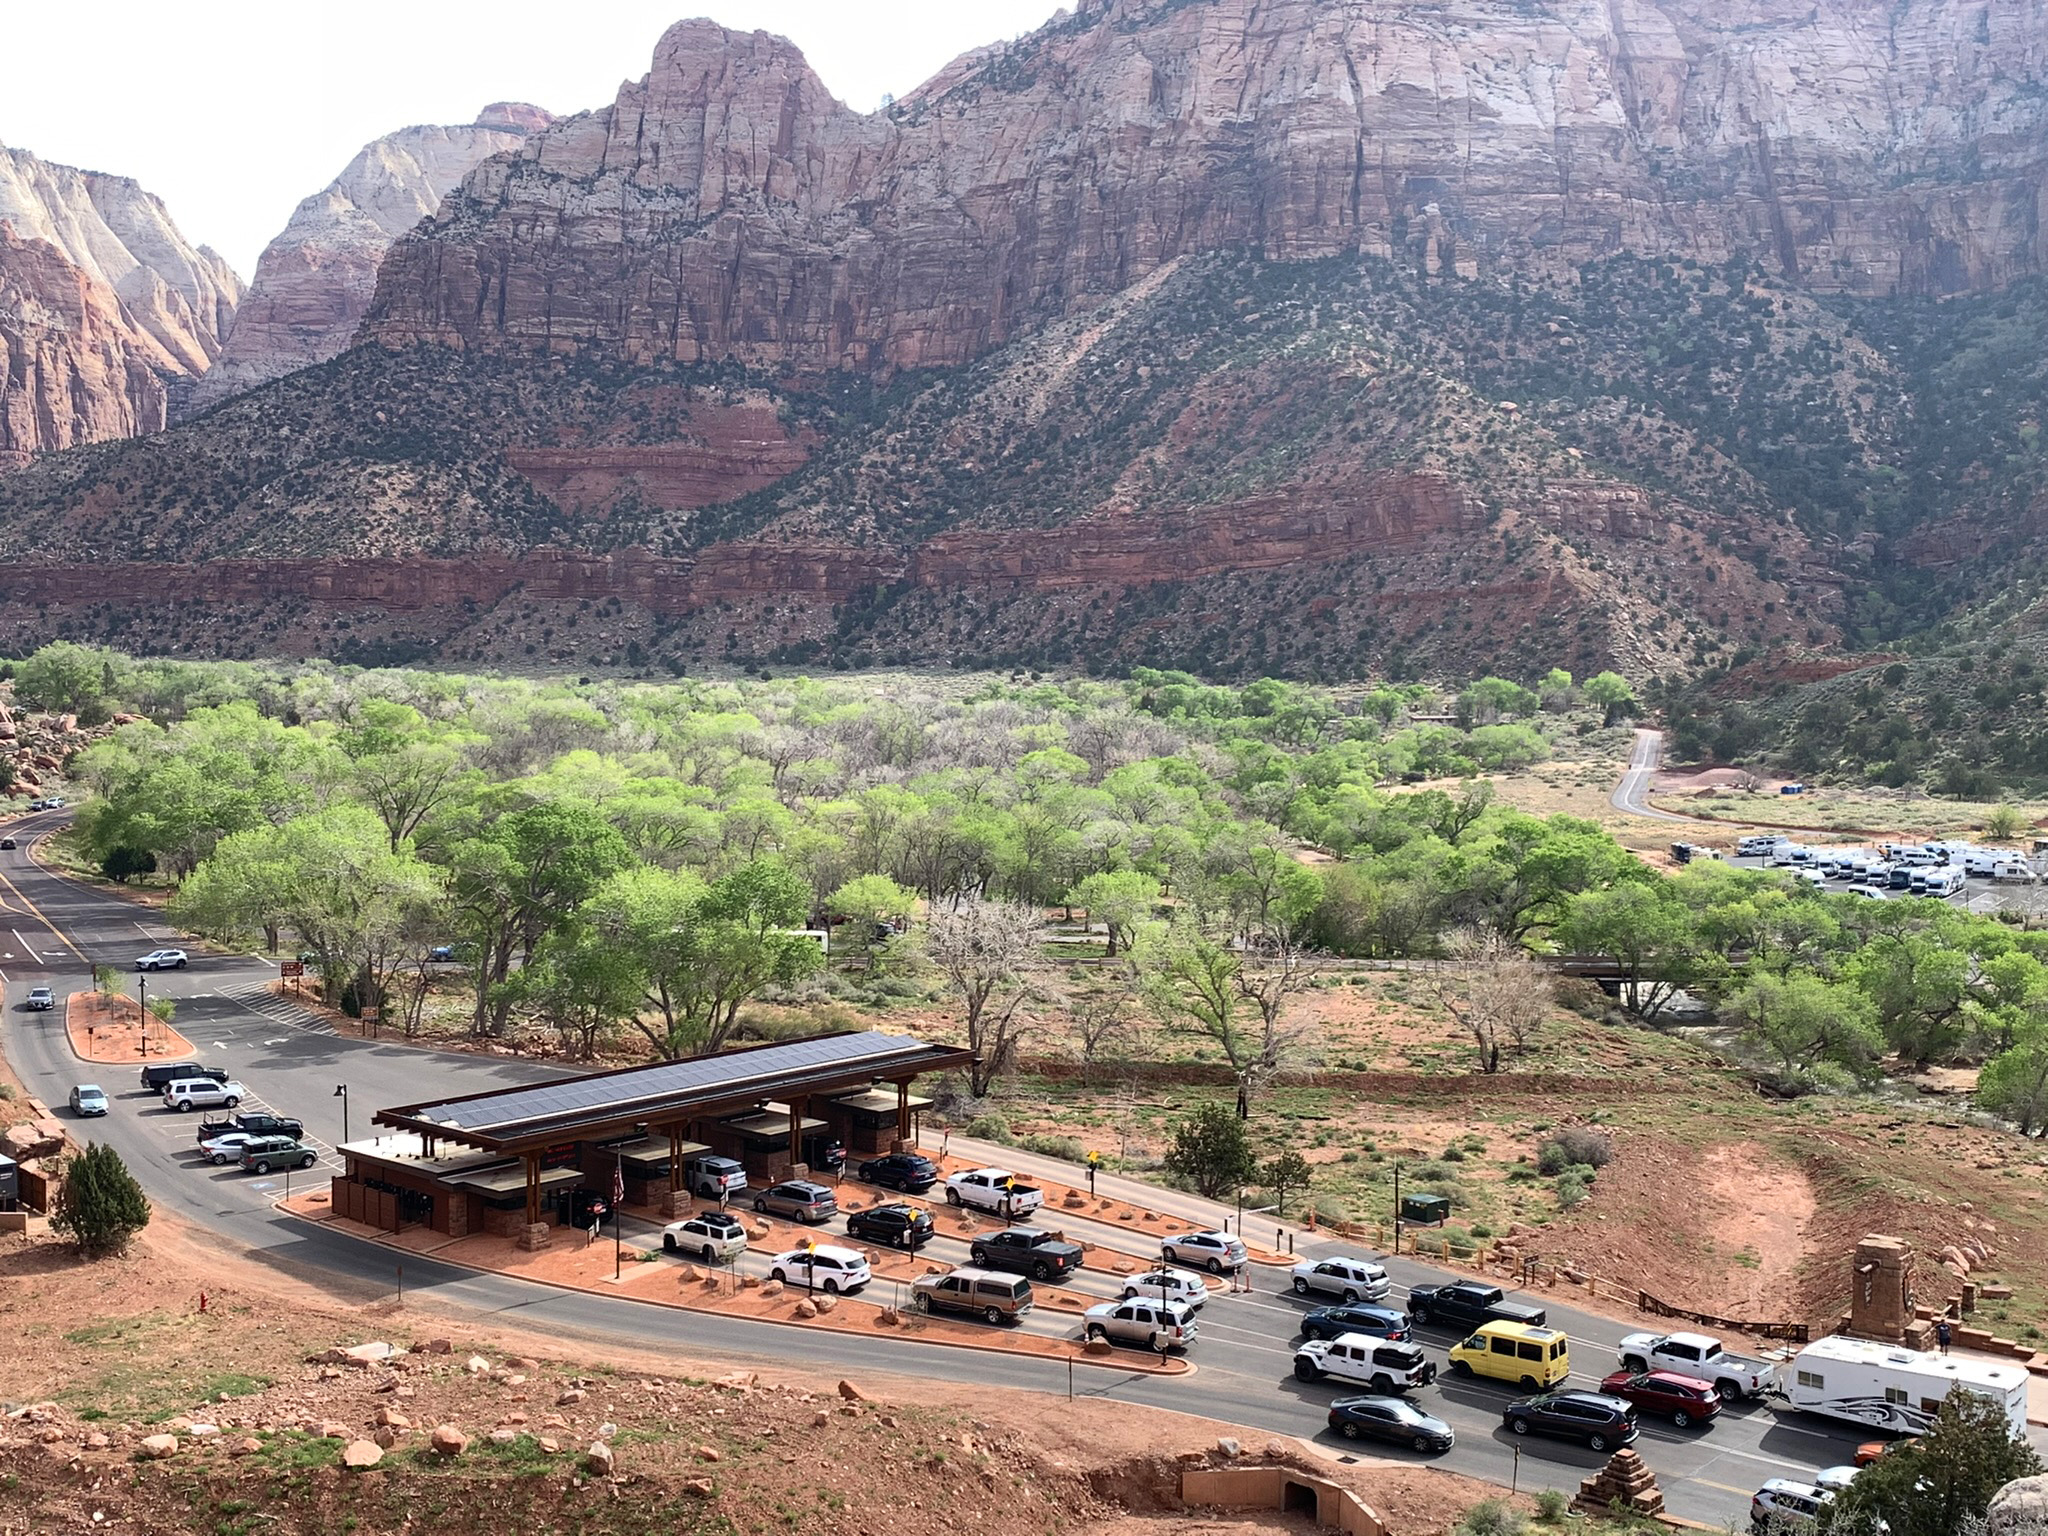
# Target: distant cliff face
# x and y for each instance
(314, 282)
(179, 301)
(726, 205)
(71, 369)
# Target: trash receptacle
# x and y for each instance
(1426, 1210)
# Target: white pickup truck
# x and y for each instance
(1700, 1357)
(993, 1189)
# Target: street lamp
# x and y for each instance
(142, 1011)
(341, 1093)
(1397, 1210)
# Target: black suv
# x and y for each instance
(901, 1170)
(1594, 1417)
(156, 1076)
(895, 1225)
(1379, 1322)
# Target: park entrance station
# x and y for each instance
(510, 1161)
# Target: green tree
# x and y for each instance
(1805, 1022)
(1284, 1173)
(1210, 991)
(746, 936)
(1937, 1484)
(99, 1205)
(64, 679)
(1646, 931)
(1211, 1150)
(2004, 823)
(1611, 691)
(2014, 1083)
(1121, 900)
(868, 903)
(579, 983)
(521, 875)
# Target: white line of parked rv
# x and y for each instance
(1919, 869)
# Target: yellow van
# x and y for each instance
(1532, 1358)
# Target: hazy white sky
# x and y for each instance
(234, 110)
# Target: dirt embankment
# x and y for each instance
(263, 1411)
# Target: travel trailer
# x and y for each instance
(1894, 1388)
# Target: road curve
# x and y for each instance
(1632, 794)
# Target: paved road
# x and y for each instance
(57, 930)
(1632, 794)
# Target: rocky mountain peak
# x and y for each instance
(314, 281)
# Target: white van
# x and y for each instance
(1923, 857)
(2012, 872)
(1944, 883)
(1894, 1388)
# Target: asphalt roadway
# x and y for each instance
(52, 931)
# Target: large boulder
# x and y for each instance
(2020, 1508)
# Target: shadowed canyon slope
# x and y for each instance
(1258, 334)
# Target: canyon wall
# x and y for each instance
(178, 300)
(71, 370)
(314, 282)
(727, 206)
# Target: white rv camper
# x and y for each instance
(1894, 1388)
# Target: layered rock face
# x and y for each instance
(71, 370)
(179, 301)
(314, 282)
(727, 206)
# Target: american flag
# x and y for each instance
(618, 1183)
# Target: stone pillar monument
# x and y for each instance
(1881, 1303)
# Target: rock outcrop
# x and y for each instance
(71, 369)
(314, 282)
(105, 311)
(727, 206)
(176, 298)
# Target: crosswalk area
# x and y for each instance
(257, 998)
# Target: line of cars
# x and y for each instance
(1357, 1341)
(1935, 869)
(254, 1140)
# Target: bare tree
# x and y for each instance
(989, 953)
(1495, 991)
(1104, 1023)
(1235, 1000)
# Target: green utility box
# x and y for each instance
(1431, 1210)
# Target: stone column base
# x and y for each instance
(675, 1204)
(535, 1237)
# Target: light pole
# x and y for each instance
(142, 1010)
(341, 1093)
(1397, 1210)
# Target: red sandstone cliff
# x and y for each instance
(71, 370)
(726, 205)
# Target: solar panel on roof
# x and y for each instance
(620, 1090)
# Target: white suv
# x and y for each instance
(162, 960)
(714, 1236)
(1216, 1252)
(827, 1267)
(1353, 1280)
(1783, 1505)
(187, 1093)
(1168, 1285)
(1158, 1325)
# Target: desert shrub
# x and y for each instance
(1066, 1148)
(1551, 1506)
(1491, 1517)
(99, 1204)
(992, 1127)
(1572, 1188)
(1328, 1210)
(1573, 1146)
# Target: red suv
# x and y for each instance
(1683, 1399)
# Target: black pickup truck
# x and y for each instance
(1027, 1251)
(255, 1124)
(1468, 1305)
